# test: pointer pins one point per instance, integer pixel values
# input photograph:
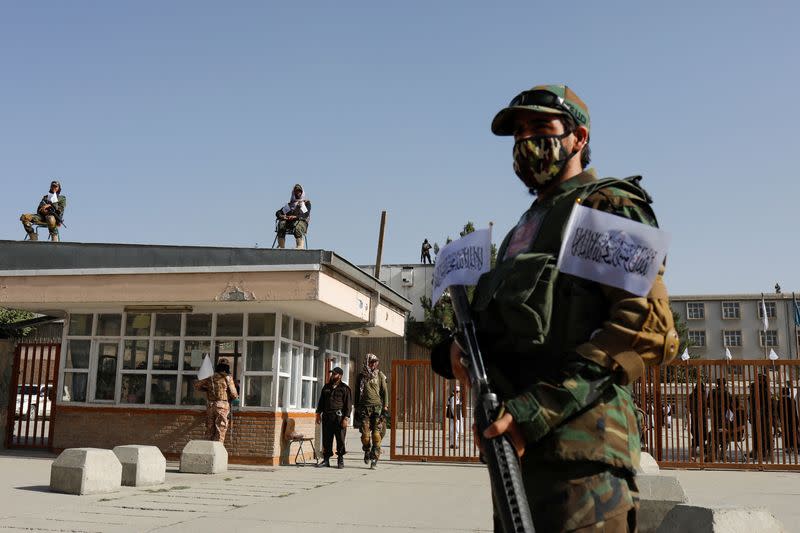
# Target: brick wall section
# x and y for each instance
(6, 367)
(256, 437)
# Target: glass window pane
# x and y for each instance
(168, 325)
(308, 337)
(258, 391)
(163, 389)
(133, 388)
(198, 325)
(261, 324)
(232, 351)
(259, 355)
(286, 352)
(78, 354)
(80, 324)
(109, 325)
(297, 330)
(189, 395)
(308, 362)
(230, 325)
(134, 356)
(106, 370)
(165, 355)
(74, 387)
(286, 326)
(137, 324)
(297, 355)
(282, 383)
(306, 401)
(194, 352)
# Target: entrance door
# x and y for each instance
(31, 406)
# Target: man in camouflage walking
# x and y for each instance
(371, 408)
(561, 351)
(219, 389)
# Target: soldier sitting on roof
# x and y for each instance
(294, 217)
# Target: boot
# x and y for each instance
(373, 464)
(33, 236)
(325, 463)
(366, 457)
(300, 243)
(54, 237)
(340, 462)
(281, 242)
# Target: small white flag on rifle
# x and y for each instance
(206, 369)
(728, 355)
(462, 262)
(772, 355)
(685, 355)
(612, 250)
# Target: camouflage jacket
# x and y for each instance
(218, 388)
(59, 206)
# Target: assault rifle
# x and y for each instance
(501, 458)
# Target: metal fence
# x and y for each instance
(695, 414)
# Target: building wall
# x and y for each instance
(256, 437)
(750, 324)
(397, 277)
(6, 367)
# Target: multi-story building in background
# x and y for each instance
(735, 321)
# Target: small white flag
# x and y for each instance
(772, 355)
(612, 250)
(303, 208)
(685, 355)
(728, 355)
(764, 313)
(206, 369)
(462, 262)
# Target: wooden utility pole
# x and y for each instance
(380, 246)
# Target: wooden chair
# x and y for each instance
(291, 436)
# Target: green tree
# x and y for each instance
(10, 316)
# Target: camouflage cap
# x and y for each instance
(55, 182)
(297, 186)
(556, 99)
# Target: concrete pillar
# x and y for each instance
(6, 366)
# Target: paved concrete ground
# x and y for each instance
(397, 497)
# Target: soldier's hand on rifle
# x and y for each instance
(459, 370)
(507, 424)
(317, 418)
(345, 422)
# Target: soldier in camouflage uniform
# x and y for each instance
(371, 408)
(294, 217)
(219, 389)
(562, 351)
(50, 213)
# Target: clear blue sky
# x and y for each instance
(189, 122)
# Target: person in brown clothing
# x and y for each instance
(219, 389)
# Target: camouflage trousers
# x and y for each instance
(217, 420)
(372, 428)
(30, 219)
(579, 497)
(298, 228)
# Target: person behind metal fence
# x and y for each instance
(562, 351)
(761, 419)
(220, 390)
(425, 253)
(791, 431)
(50, 213)
(371, 408)
(294, 218)
(333, 413)
(454, 414)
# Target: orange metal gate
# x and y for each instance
(421, 429)
(31, 408)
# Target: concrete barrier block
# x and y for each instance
(204, 457)
(86, 471)
(658, 494)
(141, 465)
(647, 465)
(719, 519)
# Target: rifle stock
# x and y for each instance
(504, 468)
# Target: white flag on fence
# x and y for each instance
(462, 262)
(728, 355)
(206, 369)
(772, 355)
(685, 355)
(612, 250)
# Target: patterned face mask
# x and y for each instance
(537, 160)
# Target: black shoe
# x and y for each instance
(340, 463)
(325, 463)
(366, 457)
(373, 464)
